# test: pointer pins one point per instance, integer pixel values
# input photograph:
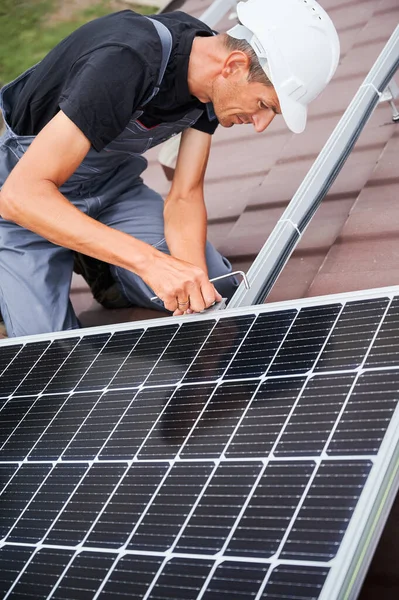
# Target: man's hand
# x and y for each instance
(183, 287)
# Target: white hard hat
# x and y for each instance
(298, 47)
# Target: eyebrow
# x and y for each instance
(275, 109)
(273, 106)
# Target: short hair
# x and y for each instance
(256, 72)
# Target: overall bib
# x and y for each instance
(35, 275)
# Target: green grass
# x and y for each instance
(25, 37)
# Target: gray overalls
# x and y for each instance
(35, 275)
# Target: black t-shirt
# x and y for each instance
(105, 70)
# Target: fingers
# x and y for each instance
(182, 287)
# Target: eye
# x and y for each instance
(262, 105)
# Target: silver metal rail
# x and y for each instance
(270, 261)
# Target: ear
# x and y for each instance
(236, 65)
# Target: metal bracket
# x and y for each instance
(222, 303)
(389, 95)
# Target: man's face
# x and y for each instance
(237, 101)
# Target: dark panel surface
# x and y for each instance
(132, 573)
(350, 339)
(320, 525)
(175, 498)
(219, 349)
(181, 579)
(95, 430)
(370, 407)
(270, 510)
(17, 370)
(109, 360)
(77, 363)
(143, 357)
(41, 574)
(19, 493)
(288, 582)
(175, 422)
(214, 429)
(266, 414)
(131, 496)
(180, 353)
(46, 368)
(232, 580)
(12, 561)
(304, 340)
(385, 349)
(207, 459)
(260, 345)
(85, 505)
(84, 576)
(218, 508)
(45, 506)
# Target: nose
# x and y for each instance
(262, 119)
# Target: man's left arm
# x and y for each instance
(185, 211)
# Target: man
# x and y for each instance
(78, 122)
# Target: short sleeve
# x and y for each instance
(205, 124)
(102, 91)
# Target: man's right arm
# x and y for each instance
(30, 197)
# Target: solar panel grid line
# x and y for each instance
(222, 454)
(244, 507)
(281, 343)
(123, 362)
(207, 581)
(24, 568)
(306, 337)
(287, 420)
(198, 351)
(105, 367)
(12, 351)
(68, 396)
(274, 558)
(192, 428)
(324, 455)
(77, 363)
(53, 591)
(193, 508)
(158, 365)
(61, 511)
(106, 578)
(9, 403)
(324, 345)
(121, 420)
(92, 363)
(222, 326)
(12, 364)
(96, 457)
(147, 508)
(377, 331)
(385, 350)
(36, 376)
(156, 578)
(102, 510)
(357, 539)
(352, 327)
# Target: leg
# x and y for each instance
(35, 277)
(139, 212)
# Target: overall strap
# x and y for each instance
(166, 41)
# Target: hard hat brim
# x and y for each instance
(294, 113)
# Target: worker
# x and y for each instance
(78, 122)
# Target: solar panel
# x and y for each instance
(245, 454)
